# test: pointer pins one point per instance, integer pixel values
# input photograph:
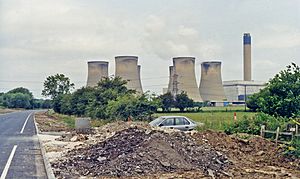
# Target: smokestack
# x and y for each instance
(127, 69)
(211, 87)
(247, 57)
(171, 80)
(96, 71)
(184, 77)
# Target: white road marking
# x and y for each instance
(11, 156)
(22, 130)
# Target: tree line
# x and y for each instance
(110, 99)
(22, 98)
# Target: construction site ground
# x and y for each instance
(135, 150)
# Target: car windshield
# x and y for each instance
(157, 121)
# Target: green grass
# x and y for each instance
(214, 120)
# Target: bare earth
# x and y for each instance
(134, 150)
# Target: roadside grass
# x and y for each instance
(70, 120)
(213, 119)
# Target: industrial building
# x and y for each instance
(127, 68)
(183, 79)
(236, 92)
(211, 88)
(96, 71)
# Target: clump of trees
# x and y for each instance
(281, 97)
(110, 99)
(180, 101)
(22, 98)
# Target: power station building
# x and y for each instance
(237, 91)
(127, 68)
(96, 71)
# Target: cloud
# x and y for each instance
(279, 36)
(166, 40)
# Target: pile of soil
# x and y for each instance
(139, 152)
(255, 157)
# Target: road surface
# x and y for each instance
(20, 154)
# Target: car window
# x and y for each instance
(157, 121)
(186, 122)
(168, 122)
(179, 121)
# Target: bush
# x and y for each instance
(293, 148)
(253, 125)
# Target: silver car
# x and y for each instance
(174, 122)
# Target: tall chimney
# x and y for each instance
(247, 57)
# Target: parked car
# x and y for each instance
(174, 122)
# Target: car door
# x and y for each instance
(181, 123)
(169, 123)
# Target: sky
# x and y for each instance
(39, 38)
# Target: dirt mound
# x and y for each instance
(140, 152)
(251, 158)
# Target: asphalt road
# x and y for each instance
(20, 154)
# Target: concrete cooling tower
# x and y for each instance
(96, 71)
(139, 76)
(211, 87)
(184, 69)
(171, 80)
(127, 69)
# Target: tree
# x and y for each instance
(130, 106)
(281, 97)
(167, 101)
(108, 89)
(17, 100)
(182, 101)
(21, 90)
(57, 85)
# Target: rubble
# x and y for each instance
(139, 152)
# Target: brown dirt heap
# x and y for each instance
(139, 152)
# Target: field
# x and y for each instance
(214, 118)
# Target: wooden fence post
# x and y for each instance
(277, 135)
(262, 130)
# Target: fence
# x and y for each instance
(293, 132)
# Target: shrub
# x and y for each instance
(253, 125)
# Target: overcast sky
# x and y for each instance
(39, 38)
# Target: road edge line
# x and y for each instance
(48, 168)
(24, 125)
(8, 163)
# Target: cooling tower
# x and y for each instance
(171, 79)
(127, 69)
(96, 71)
(247, 57)
(139, 77)
(184, 69)
(211, 87)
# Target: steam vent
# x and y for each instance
(127, 68)
(211, 87)
(183, 78)
(96, 71)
